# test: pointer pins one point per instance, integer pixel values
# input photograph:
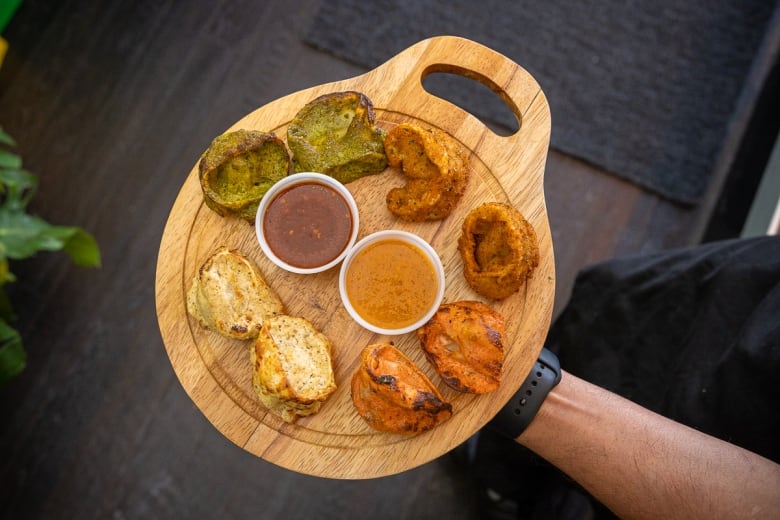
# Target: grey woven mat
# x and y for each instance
(643, 89)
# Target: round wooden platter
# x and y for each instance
(336, 442)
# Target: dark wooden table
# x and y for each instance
(112, 103)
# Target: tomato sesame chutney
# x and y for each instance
(392, 282)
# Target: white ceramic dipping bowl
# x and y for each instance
(435, 269)
(308, 221)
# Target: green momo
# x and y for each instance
(238, 168)
(335, 134)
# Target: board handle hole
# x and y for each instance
(476, 98)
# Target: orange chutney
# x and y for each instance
(391, 284)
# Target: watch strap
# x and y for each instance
(520, 410)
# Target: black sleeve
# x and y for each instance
(693, 334)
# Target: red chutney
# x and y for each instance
(307, 225)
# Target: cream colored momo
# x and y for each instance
(230, 296)
(292, 370)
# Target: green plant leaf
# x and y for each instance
(6, 310)
(18, 178)
(9, 160)
(6, 139)
(5, 276)
(13, 358)
(17, 188)
(22, 235)
(82, 248)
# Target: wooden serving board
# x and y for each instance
(336, 442)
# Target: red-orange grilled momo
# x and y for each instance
(464, 341)
(393, 395)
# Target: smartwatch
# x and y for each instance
(520, 410)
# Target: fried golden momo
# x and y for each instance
(499, 250)
(436, 167)
(393, 395)
(464, 341)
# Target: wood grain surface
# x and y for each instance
(336, 443)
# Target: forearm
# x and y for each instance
(642, 465)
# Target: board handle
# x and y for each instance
(515, 86)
